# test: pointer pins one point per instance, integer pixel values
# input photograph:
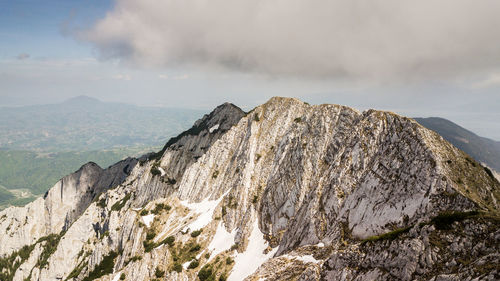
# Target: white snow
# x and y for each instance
(222, 241)
(205, 209)
(215, 127)
(247, 262)
(148, 219)
(320, 245)
(185, 265)
(136, 209)
(161, 171)
(117, 277)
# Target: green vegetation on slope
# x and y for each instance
(5, 195)
(104, 267)
(10, 263)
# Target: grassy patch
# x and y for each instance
(159, 273)
(102, 202)
(194, 264)
(443, 221)
(150, 234)
(120, 204)
(195, 248)
(196, 233)
(155, 171)
(169, 240)
(185, 253)
(446, 219)
(160, 207)
(177, 267)
(148, 245)
(50, 246)
(206, 273)
(388, 236)
(104, 267)
(77, 270)
(10, 264)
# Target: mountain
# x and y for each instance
(25, 175)
(85, 124)
(484, 150)
(287, 191)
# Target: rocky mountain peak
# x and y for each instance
(287, 191)
(221, 119)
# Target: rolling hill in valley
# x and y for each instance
(484, 150)
(287, 191)
(40, 144)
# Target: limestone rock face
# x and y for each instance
(288, 191)
(60, 206)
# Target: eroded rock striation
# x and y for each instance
(287, 191)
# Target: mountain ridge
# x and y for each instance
(482, 149)
(318, 189)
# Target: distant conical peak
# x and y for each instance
(82, 100)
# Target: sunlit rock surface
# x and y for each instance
(288, 191)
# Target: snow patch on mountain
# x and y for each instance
(205, 209)
(222, 241)
(148, 219)
(211, 130)
(161, 171)
(247, 262)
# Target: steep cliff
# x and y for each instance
(288, 191)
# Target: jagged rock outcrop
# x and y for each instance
(60, 206)
(180, 152)
(288, 191)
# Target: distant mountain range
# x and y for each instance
(482, 149)
(84, 123)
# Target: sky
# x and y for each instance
(416, 58)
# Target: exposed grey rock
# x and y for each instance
(289, 190)
(60, 206)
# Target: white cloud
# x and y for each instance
(125, 77)
(492, 80)
(174, 77)
(181, 77)
(360, 39)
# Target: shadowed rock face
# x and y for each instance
(329, 192)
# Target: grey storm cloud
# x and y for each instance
(357, 39)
